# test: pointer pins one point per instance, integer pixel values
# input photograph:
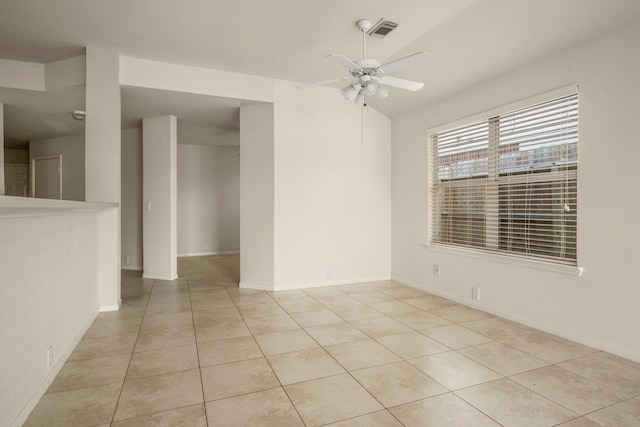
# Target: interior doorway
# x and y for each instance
(46, 177)
(16, 180)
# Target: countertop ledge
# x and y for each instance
(23, 207)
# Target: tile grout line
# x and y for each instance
(476, 408)
(133, 349)
(267, 360)
(195, 338)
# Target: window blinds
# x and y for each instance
(508, 184)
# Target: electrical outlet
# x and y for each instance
(205, 248)
(125, 260)
(436, 270)
(234, 247)
(50, 357)
(329, 274)
(475, 293)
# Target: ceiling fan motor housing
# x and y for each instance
(371, 65)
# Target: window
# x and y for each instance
(508, 184)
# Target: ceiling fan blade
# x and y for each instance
(344, 61)
(400, 83)
(416, 58)
(322, 83)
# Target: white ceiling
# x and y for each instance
(32, 115)
(470, 40)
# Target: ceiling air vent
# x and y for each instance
(382, 28)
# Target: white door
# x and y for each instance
(16, 180)
(47, 178)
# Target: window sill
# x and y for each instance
(521, 262)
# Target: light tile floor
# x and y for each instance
(199, 351)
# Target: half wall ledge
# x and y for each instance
(23, 207)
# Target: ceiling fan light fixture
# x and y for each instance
(382, 93)
(371, 88)
(349, 92)
(361, 99)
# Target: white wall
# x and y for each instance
(199, 135)
(22, 75)
(599, 308)
(184, 78)
(102, 126)
(49, 296)
(208, 199)
(65, 73)
(131, 209)
(159, 195)
(256, 196)
(335, 187)
(13, 156)
(102, 163)
(73, 153)
(2, 160)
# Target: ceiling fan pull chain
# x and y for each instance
(362, 126)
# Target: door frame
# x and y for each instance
(32, 182)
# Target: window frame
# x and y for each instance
(485, 252)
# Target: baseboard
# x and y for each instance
(158, 276)
(256, 286)
(434, 291)
(131, 267)
(533, 323)
(294, 286)
(55, 370)
(190, 254)
(112, 307)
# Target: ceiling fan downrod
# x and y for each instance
(364, 25)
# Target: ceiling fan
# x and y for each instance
(368, 76)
